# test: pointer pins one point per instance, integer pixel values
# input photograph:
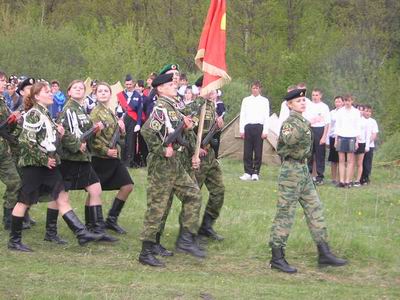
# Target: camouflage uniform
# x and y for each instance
(100, 144)
(8, 171)
(210, 172)
(34, 137)
(75, 121)
(167, 175)
(295, 183)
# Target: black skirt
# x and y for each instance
(40, 184)
(361, 148)
(77, 175)
(112, 173)
(333, 154)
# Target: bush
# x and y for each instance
(389, 151)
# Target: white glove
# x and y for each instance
(137, 128)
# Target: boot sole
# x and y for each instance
(280, 270)
(179, 250)
(154, 266)
(330, 265)
(20, 250)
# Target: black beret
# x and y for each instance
(295, 94)
(161, 79)
(199, 81)
(27, 82)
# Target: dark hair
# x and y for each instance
(338, 97)
(152, 75)
(256, 83)
(348, 97)
(55, 81)
(140, 83)
(183, 76)
(367, 106)
(35, 90)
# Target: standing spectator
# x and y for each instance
(141, 147)
(131, 103)
(149, 94)
(285, 111)
(90, 100)
(367, 163)
(347, 134)
(318, 115)
(363, 145)
(183, 83)
(220, 110)
(333, 154)
(58, 99)
(254, 116)
(13, 101)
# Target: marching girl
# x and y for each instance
(76, 168)
(41, 176)
(106, 159)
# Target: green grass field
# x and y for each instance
(363, 223)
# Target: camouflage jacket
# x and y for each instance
(37, 141)
(75, 122)
(295, 138)
(101, 142)
(164, 115)
(14, 129)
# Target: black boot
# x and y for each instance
(98, 225)
(159, 249)
(51, 227)
(147, 257)
(28, 221)
(82, 234)
(327, 258)
(207, 230)
(16, 235)
(7, 218)
(111, 221)
(279, 262)
(187, 243)
(87, 218)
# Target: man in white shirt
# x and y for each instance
(285, 112)
(318, 115)
(368, 157)
(254, 115)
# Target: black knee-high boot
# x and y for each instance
(98, 225)
(15, 242)
(51, 227)
(112, 219)
(82, 234)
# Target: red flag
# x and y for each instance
(210, 57)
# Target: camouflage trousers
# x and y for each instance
(210, 174)
(295, 185)
(166, 177)
(9, 176)
(185, 160)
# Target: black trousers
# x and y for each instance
(318, 152)
(367, 165)
(253, 148)
(129, 150)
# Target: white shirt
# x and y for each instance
(254, 110)
(373, 129)
(333, 122)
(318, 114)
(365, 132)
(285, 111)
(348, 122)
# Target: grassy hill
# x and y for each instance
(363, 223)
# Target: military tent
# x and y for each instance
(231, 144)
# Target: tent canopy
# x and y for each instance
(231, 145)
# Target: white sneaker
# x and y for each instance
(254, 177)
(245, 177)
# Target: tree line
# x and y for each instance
(340, 46)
